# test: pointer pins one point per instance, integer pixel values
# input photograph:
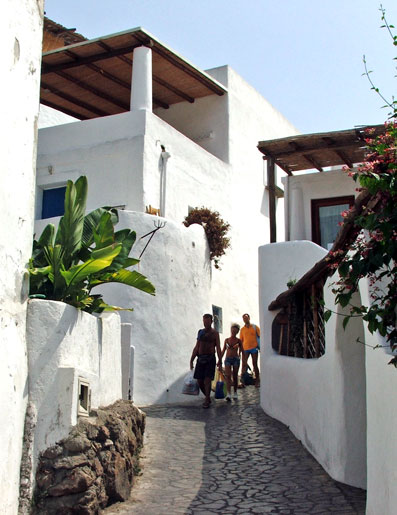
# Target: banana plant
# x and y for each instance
(83, 253)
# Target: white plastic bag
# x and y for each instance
(190, 385)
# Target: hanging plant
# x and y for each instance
(215, 229)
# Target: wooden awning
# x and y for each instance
(317, 151)
(93, 78)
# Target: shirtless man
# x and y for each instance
(207, 342)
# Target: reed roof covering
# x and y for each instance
(319, 150)
(92, 78)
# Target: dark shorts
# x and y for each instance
(205, 366)
(232, 362)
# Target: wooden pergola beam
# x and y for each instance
(281, 165)
(157, 79)
(302, 151)
(348, 162)
(310, 159)
(48, 68)
(95, 91)
(101, 71)
(181, 66)
(69, 98)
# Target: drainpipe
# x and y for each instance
(163, 178)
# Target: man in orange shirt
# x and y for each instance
(249, 335)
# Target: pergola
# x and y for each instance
(320, 150)
(92, 78)
(311, 151)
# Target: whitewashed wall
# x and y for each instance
(20, 40)
(48, 117)
(109, 151)
(322, 400)
(164, 326)
(122, 172)
(301, 189)
(65, 344)
(205, 121)
(381, 422)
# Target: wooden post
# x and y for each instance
(280, 343)
(272, 198)
(288, 329)
(315, 321)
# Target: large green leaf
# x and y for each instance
(54, 257)
(127, 238)
(91, 221)
(127, 277)
(47, 236)
(70, 229)
(104, 231)
(99, 260)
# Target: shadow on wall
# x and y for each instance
(174, 393)
(351, 356)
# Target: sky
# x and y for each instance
(304, 56)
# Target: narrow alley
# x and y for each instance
(231, 458)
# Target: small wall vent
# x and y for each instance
(84, 399)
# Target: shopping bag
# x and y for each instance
(220, 388)
(190, 384)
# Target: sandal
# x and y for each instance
(206, 404)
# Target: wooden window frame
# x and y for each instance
(324, 202)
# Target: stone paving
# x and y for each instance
(230, 458)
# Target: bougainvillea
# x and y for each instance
(373, 254)
(215, 229)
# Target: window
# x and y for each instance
(298, 330)
(218, 321)
(53, 202)
(326, 215)
(84, 400)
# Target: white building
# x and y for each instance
(336, 401)
(180, 138)
(21, 35)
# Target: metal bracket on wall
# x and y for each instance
(158, 225)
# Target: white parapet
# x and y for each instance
(67, 347)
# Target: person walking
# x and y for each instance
(249, 335)
(233, 348)
(204, 350)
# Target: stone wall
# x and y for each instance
(94, 466)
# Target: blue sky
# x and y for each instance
(303, 56)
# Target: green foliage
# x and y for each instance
(215, 229)
(291, 283)
(84, 252)
(373, 255)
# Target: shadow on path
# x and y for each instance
(231, 458)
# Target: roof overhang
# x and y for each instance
(319, 150)
(93, 78)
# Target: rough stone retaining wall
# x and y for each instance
(94, 466)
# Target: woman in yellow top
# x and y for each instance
(233, 348)
(248, 335)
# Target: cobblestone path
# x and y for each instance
(231, 458)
